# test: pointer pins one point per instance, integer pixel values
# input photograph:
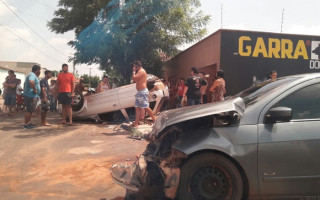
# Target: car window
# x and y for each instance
(260, 91)
(305, 103)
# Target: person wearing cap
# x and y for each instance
(44, 96)
(104, 85)
(52, 95)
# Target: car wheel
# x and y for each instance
(210, 176)
(77, 101)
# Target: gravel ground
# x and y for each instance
(62, 162)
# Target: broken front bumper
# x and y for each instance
(129, 174)
(134, 175)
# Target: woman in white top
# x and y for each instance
(104, 85)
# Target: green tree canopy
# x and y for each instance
(75, 15)
(93, 80)
(148, 30)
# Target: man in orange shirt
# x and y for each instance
(65, 85)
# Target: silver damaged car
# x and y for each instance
(261, 143)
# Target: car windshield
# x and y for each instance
(259, 91)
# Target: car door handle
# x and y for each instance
(269, 173)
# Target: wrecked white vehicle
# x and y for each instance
(121, 98)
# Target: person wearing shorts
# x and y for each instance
(65, 98)
(44, 96)
(142, 98)
(31, 103)
(139, 75)
(10, 94)
(66, 86)
(31, 95)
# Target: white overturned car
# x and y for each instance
(120, 98)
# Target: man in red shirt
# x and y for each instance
(65, 85)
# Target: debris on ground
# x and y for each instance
(110, 126)
(134, 132)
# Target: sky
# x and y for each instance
(25, 37)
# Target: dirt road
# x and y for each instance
(61, 162)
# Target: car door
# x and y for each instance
(103, 102)
(127, 96)
(288, 152)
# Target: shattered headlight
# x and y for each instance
(157, 125)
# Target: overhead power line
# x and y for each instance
(31, 15)
(221, 14)
(30, 45)
(32, 29)
(46, 5)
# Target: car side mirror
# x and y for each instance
(278, 114)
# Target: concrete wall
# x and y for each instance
(203, 54)
(17, 66)
(21, 69)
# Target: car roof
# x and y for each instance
(306, 76)
(300, 78)
(296, 80)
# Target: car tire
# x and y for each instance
(210, 176)
(77, 101)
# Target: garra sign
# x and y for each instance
(272, 48)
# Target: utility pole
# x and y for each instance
(90, 77)
(282, 20)
(74, 65)
(73, 61)
(221, 14)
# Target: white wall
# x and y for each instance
(3, 75)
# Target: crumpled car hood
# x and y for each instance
(174, 116)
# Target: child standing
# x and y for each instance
(19, 96)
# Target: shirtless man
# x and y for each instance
(139, 76)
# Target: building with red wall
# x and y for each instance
(247, 57)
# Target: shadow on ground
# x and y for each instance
(41, 133)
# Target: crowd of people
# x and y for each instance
(194, 91)
(39, 95)
(14, 100)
